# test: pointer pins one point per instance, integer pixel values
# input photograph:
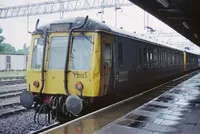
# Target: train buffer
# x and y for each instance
(164, 110)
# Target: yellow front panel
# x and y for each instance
(54, 79)
(90, 78)
(184, 60)
(32, 74)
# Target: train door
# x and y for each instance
(106, 62)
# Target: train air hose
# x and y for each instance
(67, 58)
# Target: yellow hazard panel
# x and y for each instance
(184, 61)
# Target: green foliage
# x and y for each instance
(9, 49)
(1, 37)
(25, 50)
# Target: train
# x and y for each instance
(75, 62)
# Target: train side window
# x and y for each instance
(150, 56)
(107, 55)
(120, 54)
(169, 58)
(165, 57)
(140, 56)
(155, 56)
(146, 56)
(173, 59)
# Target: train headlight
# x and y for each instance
(79, 86)
(36, 84)
(74, 104)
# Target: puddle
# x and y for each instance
(137, 124)
(165, 99)
(156, 106)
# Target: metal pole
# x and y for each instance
(115, 13)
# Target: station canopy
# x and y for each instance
(181, 15)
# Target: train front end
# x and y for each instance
(63, 71)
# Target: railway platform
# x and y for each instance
(172, 108)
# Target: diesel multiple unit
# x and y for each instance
(76, 61)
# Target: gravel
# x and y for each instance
(20, 123)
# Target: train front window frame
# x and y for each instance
(57, 52)
(37, 53)
(81, 53)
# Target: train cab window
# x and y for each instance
(57, 53)
(37, 55)
(81, 53)
(120, 54)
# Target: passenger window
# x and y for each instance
(146, 57)
(155, 56)
(107, 55)
(140, 56)
(150, 56)
(173, 59)
(120, 54)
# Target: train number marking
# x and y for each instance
(79, 75)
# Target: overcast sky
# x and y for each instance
(130, 18)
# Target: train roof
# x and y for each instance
(93, 25)
(67, 24)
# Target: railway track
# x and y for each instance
(12, 78)
(10, 94)
(24, 120)
(10, 106)
(9, 99)
(45, 128)
(12, 82)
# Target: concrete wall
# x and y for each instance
(2, 62)
(18, 62)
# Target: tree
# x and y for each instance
(25, 50)
(1, 37)
(5, 47)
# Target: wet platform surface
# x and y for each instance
(167, 110)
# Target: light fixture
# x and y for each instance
(185, 24)
(165, 3)
(196, 35)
